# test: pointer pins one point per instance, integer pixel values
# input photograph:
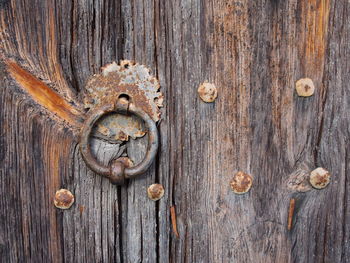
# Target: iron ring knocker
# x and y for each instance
(116, 171)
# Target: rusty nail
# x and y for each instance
(207, 92)
(173, 220)
(241, 183)
(319, 178)
(63, 199)
(305, 87)
(155, 192)
(81, 209)
(291, 213)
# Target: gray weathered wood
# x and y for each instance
(254, 52)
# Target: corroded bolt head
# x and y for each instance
(117, 170)
(207, 92)
(126, 161)
(155, 192)
(63, 199)
(241, 183)
(320, 178)
(305, 87)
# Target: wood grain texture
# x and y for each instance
(254, 52)
(45, 96)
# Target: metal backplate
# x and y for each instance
(129, 79)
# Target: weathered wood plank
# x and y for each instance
(253, 51)
(32, 163)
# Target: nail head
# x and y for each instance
(241, 183)
(305, 87)
(320, 178)
(155, 192)
(207, 92)
(63, 199)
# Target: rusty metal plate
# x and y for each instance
(130, 79)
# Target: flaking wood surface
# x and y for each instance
(254, 51)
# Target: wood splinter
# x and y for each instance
(291, 213)
(173, 220)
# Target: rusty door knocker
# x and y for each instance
(129, 90)
(116, 172)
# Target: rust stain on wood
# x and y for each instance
(44, 95)
(56, 152)
(308, 29)
(315, 15)
(173, 220)
(81, 209)
(291, 213)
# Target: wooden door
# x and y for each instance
(254, 52)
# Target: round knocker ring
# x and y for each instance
(116, 171)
